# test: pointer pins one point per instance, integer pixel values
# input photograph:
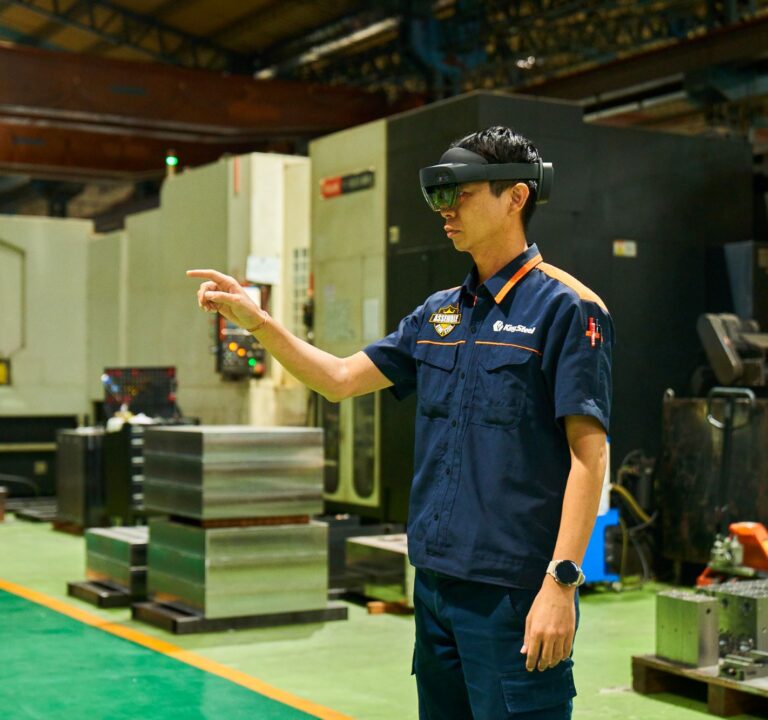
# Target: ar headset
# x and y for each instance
(440, 183)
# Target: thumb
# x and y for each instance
(524, 649)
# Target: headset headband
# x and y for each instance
(459, 165)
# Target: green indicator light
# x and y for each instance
(171, 161)
(252, 362)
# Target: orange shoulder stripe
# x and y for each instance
(580, 288)
(516, 278)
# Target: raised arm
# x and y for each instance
(333, 377)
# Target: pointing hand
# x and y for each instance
(222, 293)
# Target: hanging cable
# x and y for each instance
(630, 500)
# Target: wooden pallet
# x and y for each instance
(68, 527)
(379, 607)
(724, 697)
(182, 621)
(101, 594)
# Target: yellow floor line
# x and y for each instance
(166, 648)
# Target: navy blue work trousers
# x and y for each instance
(467, 658)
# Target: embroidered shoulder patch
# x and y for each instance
(445, 319)
(594, 332)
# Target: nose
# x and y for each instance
(450, 213)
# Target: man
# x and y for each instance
(512, 371)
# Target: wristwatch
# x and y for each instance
(566, 572)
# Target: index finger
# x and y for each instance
(210, 274)
(534, 650)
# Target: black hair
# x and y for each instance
(499, 144)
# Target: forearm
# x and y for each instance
(551, 622)
(580, 503)
(319, 370)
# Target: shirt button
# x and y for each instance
(435, 516)
(473, 328)
(463, 376)
(453, 423)
(447, 471)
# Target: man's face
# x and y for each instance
(478, 219)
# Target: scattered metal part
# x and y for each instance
(745, 666)
(687, 628)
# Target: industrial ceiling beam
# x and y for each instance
(65, 89)
(119, 26)
(159, 13)
(71, 153)
(743, 42)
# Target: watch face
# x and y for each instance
(567, 572)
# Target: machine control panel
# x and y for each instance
(238, 354)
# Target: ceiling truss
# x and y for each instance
(115, 25)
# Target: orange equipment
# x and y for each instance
(754, 539)
(743, 553)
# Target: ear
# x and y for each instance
(517, 194)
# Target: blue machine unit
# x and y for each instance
(594, 565)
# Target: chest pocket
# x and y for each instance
(435, 379)
(503, 376)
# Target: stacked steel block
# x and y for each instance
(237, 540)
(118, 557)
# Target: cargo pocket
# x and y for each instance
(500, 390)
(525, 691)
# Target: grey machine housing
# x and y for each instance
(735, 348)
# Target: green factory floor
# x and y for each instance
(54, 667)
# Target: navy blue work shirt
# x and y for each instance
(497, 367)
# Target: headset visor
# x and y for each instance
(441, 197)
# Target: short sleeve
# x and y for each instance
(393, 354)
(578, 359)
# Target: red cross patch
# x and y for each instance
(594, 332)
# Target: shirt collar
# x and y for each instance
(503, 281)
